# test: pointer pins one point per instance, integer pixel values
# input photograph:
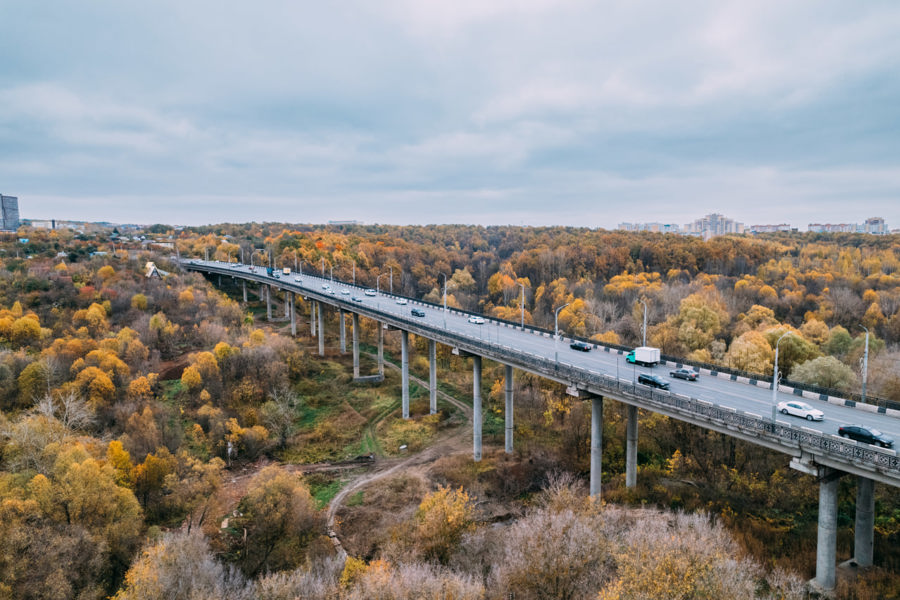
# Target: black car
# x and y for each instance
(417, 312)
(867, 435)
(356, 299)
(583, 346)
(689, 374)
(653, 381)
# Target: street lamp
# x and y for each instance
(775, 376)
(377, 281)
(522, 303)
(865, 370)
(392, 279)
(644, 302)
(323, 267)
(445, 299)
(556, 331)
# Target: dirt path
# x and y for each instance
(414, 465)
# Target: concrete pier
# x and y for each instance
(476, 408)
(268, 303)
(432, 376)
(596, 444)
(292, 313)
(244, 287)
(355, 346)
(509, 409)
(631, 446)
(826, 544)
(343, 328)
(313, 305)
(864, 532)
(380, 348)
(404, 371)
(321, 330)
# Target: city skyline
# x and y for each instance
(520, 113)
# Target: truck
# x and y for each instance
(270, 271)
(286, 271)
(644, 356)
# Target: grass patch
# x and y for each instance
(323, 488)
(355, 499)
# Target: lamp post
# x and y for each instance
(522, 303)
(644, 302)
(354, 272)
(392, 279)
(242, 255)
(865, 369)
(378, 281)
(775, 377)
(445, 300)
(323, 267)
(556, 331)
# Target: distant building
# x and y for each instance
(345, 222)
(713, 225)
(654, 227)
(770, 228)
(9, 213)
(872, 225)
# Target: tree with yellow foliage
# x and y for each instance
(440, 522)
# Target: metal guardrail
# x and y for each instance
(885, 461)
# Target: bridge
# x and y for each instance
(736, 406)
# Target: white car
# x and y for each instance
(345, 292)
(297, 279)
(325, 286)
(800, 409)
(401, 300)
(476, 319)
(370, 292)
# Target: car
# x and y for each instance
(325, 286)
(252, 269)
(345, 292)
(476, 319)
(800, 409)
(401, 301)
(689, 374)
(653, 381)
(582, 346)
(370, 292)
(867, 435)
(297, 279)
(332, 292)
(356, 299)
(417, 312)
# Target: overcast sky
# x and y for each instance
(523, 112)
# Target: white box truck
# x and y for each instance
(644, 356)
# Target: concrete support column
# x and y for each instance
(380, 348)
(826, 544)
(509, 409)
(268, 303)
(476, 408)
(596, 444)
(313, 305)
(343, 327)
(631, 446)
(287, 303)
(355, 345)
(321, 331)
(864, 533)
(292, 313)
(244, 286)
(404, 371)
(432, 376)
(261, 291)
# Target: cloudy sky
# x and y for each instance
(470, 111)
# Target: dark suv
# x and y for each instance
(653, 381)
(866, 435)
(417, 312)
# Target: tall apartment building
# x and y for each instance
(712, 225)
(876, 226)
(9, 213)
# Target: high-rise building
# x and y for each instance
(712, 225)
(873, 225)
(9, 213)
(876, 225)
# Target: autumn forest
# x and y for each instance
(161, 438)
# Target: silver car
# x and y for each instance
(800, 409)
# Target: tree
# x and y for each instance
(825, 371)
(180, 566)
(751, 352)
(25, 330)
(440, 522)
(278, 519)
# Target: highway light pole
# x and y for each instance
(644, 302)
(392, 279)
(323, 267)
(445, 300)
(378, 281)
(865, 369)
(556, 331)
(775, 377)
(522, 303)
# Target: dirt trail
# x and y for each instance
(413, 465)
